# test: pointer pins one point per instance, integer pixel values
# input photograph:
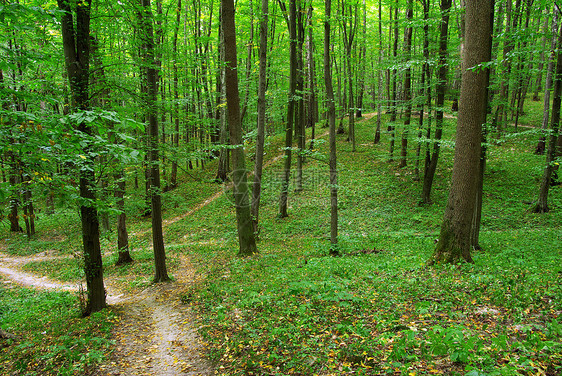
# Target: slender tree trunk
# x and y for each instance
(224, 156)
(538, 80)
(407, 86)
(176, 112)
(260, 137)
(332, 124)
(431, 163)
(554, 138)
(292, 25)
(246, 238)
(299, 118)
(455, 239)
(122, 234)
(380, 79)
(424, 87)
(548, 84)
(394, 103)
(151, 76)
(76, 44)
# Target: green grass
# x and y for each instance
(52, 338)
(294, 310)
(378, 309)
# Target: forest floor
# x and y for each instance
(377, 310)
(155, 334)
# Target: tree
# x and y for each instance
(246, 238)
(332, 124)
(150, 76)
(432, 159)
(262, 87)
(554, 138)
(407, 85)
(455, 238)
(76, 44)
(292, 25)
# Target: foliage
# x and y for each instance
(52, 339)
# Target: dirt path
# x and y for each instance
(156, 335)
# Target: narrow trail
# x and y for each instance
(156, 335)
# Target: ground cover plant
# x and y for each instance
(377, 309)
(50, 337)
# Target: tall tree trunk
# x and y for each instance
(76, 45)
(394, 103)
(431, 163)
(548, 84)
(14, 179)
(176, 112)
(246, 238)
(551, 153)
(249, 64)
(292, 25)
(28, 211)
(407, 86)
(424, 87)
(151, 77)
(477, 217)
(299, 118)
(122, 234)
(260, 137)
(455, 239)
(538, 81)
(224, 156)
(380, 79)
(332, 124)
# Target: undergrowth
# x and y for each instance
(51, 337)
(377, 309)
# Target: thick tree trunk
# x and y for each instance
(455, 239)
(246, 238)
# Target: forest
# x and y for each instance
(290, 187)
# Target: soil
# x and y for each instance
(155, 335)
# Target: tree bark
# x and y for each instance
(332, 124)
(407, 86)
(554, 138)
(292, 25)
(150, 74)
(455, 239)
(76, 45)
(260, 137)
(246, 238)
(122, 234)
(176, 112)
(541, 145)
(431, 163)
